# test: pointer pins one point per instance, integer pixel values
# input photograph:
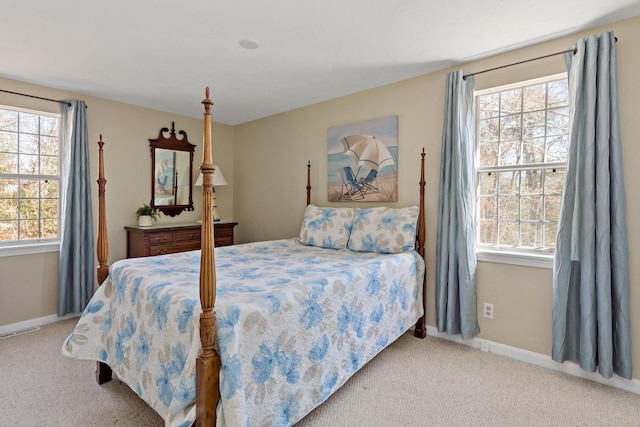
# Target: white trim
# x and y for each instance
(538, 359)
(515, 258)
(40, 321)
(520, 84)
(33, 248)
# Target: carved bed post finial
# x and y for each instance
(308, 182)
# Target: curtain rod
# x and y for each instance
(36, 97)
(523, 62)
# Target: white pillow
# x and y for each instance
(326, 227)
(384, 230)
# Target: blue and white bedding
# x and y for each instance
(294, 323)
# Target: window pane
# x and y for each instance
(533, 124)
(510, 153)
(534, 97)
(28, 164)
(9, 142)
(558, 93)
(49, 146)
(48, 165)
(557, 148)
(531, 181)
(29, 229)
(552, 208)
(488, 207)
(28, 123)
(8, 230)
(488, 232)
(489, 130)
(509, 182)
(509, 207)
(488, 154)
(49, 228)
(49, 189)
(9, 188)
(8, 209)
(508, 233)
(29, 208)
(550, 234)
(487, 183)
(489, 105)
(531, 208)
(49, 126)
(9, 120)
(511, 101)
(531, 234)
(510, 128)
(554, 180)
(49, 208)
(533, 150)
(8, 163)
(28, 144)
(29, 188)
(558, 121)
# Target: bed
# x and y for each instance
(293, 318)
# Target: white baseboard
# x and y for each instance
(31, 323)
(538, 359)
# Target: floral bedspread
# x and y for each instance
(294, 323)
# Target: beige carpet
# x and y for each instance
(414, 382)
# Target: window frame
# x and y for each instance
(542, 258)
(38, 245)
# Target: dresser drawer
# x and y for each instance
(160, 238)
(223, 240)
(175, 248)
(187, 236)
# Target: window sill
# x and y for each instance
(516, 258)
(35, 248)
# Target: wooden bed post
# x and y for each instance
(103, 371)
(208, 361)
(308, 182)
(420, 330)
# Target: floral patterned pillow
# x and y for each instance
(384, 230)
(326, 227)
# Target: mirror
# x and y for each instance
(171, 172)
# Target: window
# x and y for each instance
(29, 178)
(522, 148)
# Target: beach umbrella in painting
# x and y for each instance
(367, 151)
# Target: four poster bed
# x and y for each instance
(293, 318)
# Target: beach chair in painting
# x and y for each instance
(351, 189)
(370, 182)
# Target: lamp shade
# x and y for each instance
(218, 178)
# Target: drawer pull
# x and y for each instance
(161, 252)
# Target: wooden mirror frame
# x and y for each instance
(172, 143)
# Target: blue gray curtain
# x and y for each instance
(76, 267)
(456, 309)
(590, 273)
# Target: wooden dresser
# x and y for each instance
(169, 239)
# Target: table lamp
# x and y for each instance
(218, 179)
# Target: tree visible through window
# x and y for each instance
(29, 176)
(522, 147)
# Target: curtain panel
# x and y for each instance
(456, 309)
(591, 322)
(76, 265)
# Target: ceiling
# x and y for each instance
(162, 53)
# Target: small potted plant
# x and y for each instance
(145, 214)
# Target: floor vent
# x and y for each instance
(19, 332)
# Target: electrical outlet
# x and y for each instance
(488, 310)
(484, 346)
